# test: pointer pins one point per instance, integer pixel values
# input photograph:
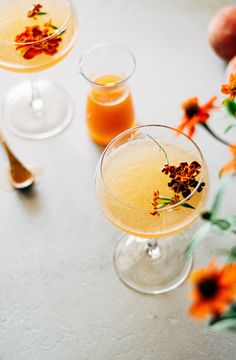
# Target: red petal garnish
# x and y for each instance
(36, 36)
(34, 11)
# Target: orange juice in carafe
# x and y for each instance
(109, 108)
(110, 111)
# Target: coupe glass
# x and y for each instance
(150, 205)
(31, 41)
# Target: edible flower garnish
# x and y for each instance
(36, 11)
(166, 201)
(230, 88)
(214, 289)
(231, 165)
(37, 41)
(183, 177)
(155, 203)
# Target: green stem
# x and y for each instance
(167, 160)
(170, 202)
(206, 127)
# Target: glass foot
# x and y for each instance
(152, 269)
(43, 118)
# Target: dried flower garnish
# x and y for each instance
(214, 289)
(183, 177)
(167, 201)
(36, 11)
(195, 114)
(35, 35)
(231, 165)
(155, 203)
(230, 88)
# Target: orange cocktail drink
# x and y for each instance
(33, 37)
(110, 108)
(151, 182)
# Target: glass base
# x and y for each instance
(44, 118)
(152, 270)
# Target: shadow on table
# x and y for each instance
(30, 199)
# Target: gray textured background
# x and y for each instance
(59, 296)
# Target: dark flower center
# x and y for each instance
(208, 288)
(191, 110)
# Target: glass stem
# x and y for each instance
(36, 100)
(153, 249)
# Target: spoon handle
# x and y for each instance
(11, 156)
(21, 177)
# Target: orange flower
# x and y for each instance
(37, 41)
(195, 114)
(35, 10)
(231, 165)
(215, 289)
(230, 88)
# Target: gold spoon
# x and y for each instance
(21, 177)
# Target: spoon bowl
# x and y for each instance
(21, 177)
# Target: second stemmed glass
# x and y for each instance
(151, 182)
(34, 37)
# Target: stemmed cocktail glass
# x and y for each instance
(151, 182)
(33, 37)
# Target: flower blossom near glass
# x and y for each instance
(214, 289)
(230, 88)
(195, 114)
(231, 165)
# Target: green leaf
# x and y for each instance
(163, 204)
(54, 27)
(231, 313)
(225, 324)
(41, 13)
(187, 205)
(219, 196)
(197, 237)
(230, 106)
(232, 257)
(223, 224)
(229, 128)
(165, 198)
(170, 200)
(232, 220)
(227, 321)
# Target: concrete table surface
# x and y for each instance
(59, 296)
